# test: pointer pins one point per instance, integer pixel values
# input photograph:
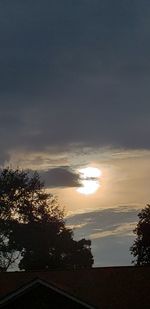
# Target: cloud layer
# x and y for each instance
(111, 232)
(74, 73)
(61, 177)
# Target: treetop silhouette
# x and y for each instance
(33, 229)
(141, 246)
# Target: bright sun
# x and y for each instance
(89, 180)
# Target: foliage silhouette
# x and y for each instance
(141, 246)
(33, 229)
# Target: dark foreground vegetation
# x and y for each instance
(32, 227)
(141, 246)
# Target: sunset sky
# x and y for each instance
(75, 93)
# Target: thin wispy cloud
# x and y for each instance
(111, 232)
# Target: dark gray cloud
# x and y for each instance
(111, 232)
(74, 72)
(61, 177)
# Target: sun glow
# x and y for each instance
(89, 180)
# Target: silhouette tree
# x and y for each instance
(141, 246)
(33, 229)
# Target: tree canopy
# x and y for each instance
(33, 231)
(141, 246)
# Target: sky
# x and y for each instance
(74, 93)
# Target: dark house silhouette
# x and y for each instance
(106, 288)
(40, 294)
